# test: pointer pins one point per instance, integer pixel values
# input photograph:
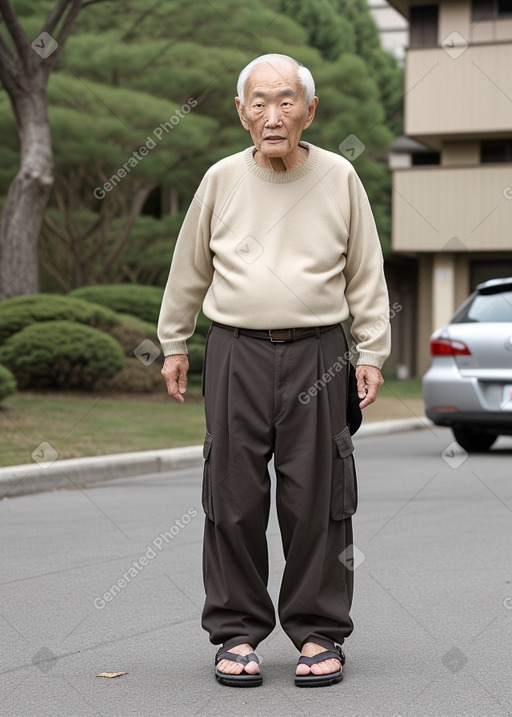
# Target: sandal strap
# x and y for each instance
(241, 659)
(326, 655)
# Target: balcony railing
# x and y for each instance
(461, 90)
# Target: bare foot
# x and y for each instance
(235, 668)
(310, 649)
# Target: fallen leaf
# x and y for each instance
(111, 674)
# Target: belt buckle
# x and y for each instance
(280, 332)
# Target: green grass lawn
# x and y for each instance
(86, 424)
(404, 388)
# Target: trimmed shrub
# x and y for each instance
(136, 299)
(146, 327)
(132, 331)
(135, 378)
(22, 311)
(61, 354)
(195, 357)
(7, 383)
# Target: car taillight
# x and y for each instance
(448, 347)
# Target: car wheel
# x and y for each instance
(473, 440)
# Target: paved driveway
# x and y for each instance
(107, 579)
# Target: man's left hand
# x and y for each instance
(369, 380)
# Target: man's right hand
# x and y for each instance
(174, 371)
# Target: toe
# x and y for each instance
(229, 667)
(325, 667)
(303, 669)
(252, 668)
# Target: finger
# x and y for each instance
(369, 398)
(174, 391)
(172, 385)
(182, 381)
(362, 388)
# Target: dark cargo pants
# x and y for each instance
(287, 400)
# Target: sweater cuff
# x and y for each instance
(171, 348)
(369, 358)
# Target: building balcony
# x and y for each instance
(460, 91)
(452, 209)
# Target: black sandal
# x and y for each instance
(244, 679)
(331, 678)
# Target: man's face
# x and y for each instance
(274, 111)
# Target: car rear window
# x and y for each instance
(486, 308)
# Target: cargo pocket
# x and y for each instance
(344, 482)
(207, 497)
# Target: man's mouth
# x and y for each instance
(273, 138)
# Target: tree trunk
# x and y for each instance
(28, 196)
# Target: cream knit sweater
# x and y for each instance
(268, 250)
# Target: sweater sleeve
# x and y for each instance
(366, 291)
(189, 278)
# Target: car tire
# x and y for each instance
(473, 440)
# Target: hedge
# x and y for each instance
(135, 377)
(136, 299)
(61, 354)
(7, 383)
(22, 311)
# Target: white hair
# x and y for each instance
(303, 75)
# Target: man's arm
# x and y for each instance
(174, 372)
(189, 278)
(366, 294)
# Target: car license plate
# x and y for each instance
(506, 404)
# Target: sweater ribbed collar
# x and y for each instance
(290, 175)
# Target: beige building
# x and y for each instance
(452, 173)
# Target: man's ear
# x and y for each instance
(241, 113)
(311, 112)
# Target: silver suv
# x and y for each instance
(469, 383)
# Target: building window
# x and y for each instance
(496, 151)
(494, 10)
(424, 158)
(423, 26)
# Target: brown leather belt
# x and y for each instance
(278, 336)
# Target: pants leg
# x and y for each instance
(316, 490)
(236, 488)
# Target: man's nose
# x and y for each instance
(273, 117)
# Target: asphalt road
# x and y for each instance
(432, 608)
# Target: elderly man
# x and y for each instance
(279, 246)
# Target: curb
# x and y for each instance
(78, 472)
